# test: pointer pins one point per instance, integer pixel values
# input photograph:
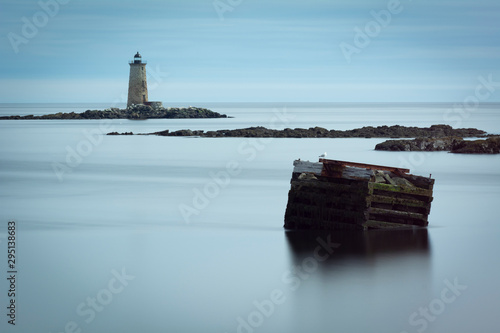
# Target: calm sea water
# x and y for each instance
(163, 234)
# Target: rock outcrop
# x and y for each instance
(133, 112)
(488, 146)
(456, 145)
(116, 133)
(435, 131)
(419, 144)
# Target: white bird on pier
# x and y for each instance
(323, 155)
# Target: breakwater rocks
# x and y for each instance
(319, 132)
(134, 112)
(455, 145)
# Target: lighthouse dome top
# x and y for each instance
(137, 59)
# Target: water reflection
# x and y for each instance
(367, 244)
(367, 273)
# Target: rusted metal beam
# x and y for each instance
(363, 165)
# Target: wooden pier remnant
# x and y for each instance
(334, 194)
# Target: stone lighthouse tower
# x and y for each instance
(137, 84)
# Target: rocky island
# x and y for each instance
(433, 138)
(132, 112)
(435, 131)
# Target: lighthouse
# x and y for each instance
(137, 83)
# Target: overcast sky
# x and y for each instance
(250, 50)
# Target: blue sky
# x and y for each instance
(254, 51)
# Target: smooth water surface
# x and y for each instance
(164, 234)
